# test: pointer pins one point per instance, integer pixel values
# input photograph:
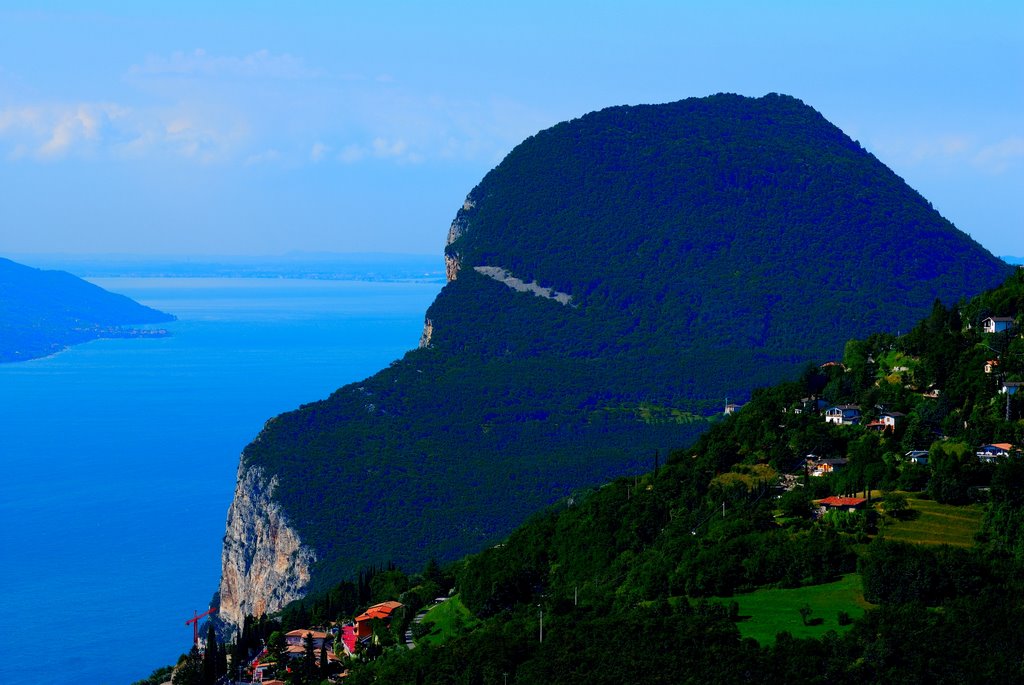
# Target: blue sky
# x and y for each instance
(264, 128)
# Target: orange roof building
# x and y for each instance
(382, 611)
(848, 503)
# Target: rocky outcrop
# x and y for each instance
(519, 285)
(428, 333)
(452, 264)
(264, 564)
(452, 261)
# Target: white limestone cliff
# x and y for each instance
(264, 564)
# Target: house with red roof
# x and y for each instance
(382, 611)
(835, 503)
(297, 638)
(990, 453)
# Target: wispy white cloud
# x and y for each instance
(1000, 156)
(318, 151)
(55, 131)
(218, 108)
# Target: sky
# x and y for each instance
(264, 128)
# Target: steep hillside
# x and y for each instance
(611, 282)
(648, 560)
(42, 312)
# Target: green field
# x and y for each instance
(447, 620)
(764, 613)
(936, 524)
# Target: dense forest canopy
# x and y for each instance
(710, 246)
(641, 580)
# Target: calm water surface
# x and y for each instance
(119, 457)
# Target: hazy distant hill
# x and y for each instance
(42, 312)
(612, 281)
(306, 265)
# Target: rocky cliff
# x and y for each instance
(264, 564)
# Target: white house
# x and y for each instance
(843, 414)
(996, 324)
(919, 457)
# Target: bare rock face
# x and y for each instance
(428, 333)
(452, 261)
(264, 564)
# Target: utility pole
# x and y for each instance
(542, 624)
(576, 596)
(723, 509)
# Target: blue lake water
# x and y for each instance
(119, 457)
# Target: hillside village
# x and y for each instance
(821, 487)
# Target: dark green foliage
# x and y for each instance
(189, 670)
(621, 561)
(898, 572)
(41, 312)
(1003, 527)
(710, 246)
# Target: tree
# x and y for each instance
(189, 670)
(805, 613)
(895, 504)
(309, 669)
(211, 657)
(325, 666)
(796, 503)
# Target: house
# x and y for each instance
(889, 419)
(817, 467)
(1011, 387)
(990, 365)
(807, 404)
(843, 414)
(990, 453)
(383, 611)
(297, 638)
(842, 503)
(996, 324)
(732, 408)
(919, 457)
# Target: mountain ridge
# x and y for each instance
(707, 247)
(43, 312)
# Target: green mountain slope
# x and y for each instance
(692, 251)
(630, 578)
(42, 312)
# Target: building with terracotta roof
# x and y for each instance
(382, 611)
(842, 503)
(990, 453)
(298, 638)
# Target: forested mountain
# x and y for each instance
(42, 312)
(612, 281)
(638, 580)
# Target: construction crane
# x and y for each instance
(194, 621)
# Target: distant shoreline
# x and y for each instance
(402, 268)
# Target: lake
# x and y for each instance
(120, 457)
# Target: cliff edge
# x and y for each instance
(264, 564)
